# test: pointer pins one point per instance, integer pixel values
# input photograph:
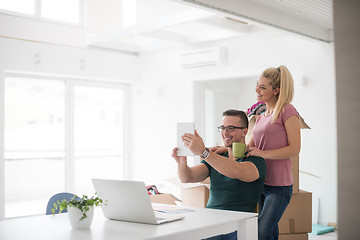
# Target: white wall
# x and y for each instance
(41, 31)
(161, 98)
(165, 95)
(49, 59)
(234, 93)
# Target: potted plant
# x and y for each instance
(80, 210)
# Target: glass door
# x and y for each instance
(98, 135)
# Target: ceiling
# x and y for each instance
(209, 20)
(317, 12)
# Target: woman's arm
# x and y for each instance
(292, 128)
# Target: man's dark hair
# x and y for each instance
(237, 113)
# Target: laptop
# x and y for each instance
(129, 201)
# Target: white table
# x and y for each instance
(197, 224)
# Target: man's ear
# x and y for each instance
(246, 130)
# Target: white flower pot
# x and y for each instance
(75, 216)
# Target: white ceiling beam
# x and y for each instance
(254, 12)
(164, 35)
(182, 17)
(121, 46)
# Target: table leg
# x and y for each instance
(248, 229)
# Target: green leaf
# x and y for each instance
(83, 204)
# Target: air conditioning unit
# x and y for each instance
(203, 58)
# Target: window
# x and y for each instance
(67, 11)
(98, 135)
(58, 135)
(34, 144)
(20, 6)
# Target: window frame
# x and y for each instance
(37, 15)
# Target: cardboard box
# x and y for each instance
(297, 217)
(294, 160)
(164, 198)
(193, 194)
(206, 181)
(299, 236)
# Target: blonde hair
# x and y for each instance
(280, 78)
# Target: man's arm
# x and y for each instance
(244, 171)
(188, 174)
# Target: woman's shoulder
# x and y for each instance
(289, 107)
(288, 111)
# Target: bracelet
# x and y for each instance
(205, 154)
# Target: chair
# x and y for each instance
(58, 197)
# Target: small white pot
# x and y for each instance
(75, 216)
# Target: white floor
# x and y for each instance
(326, 236)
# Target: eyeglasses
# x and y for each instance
(229, 128)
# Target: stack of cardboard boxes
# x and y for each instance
(296, 221)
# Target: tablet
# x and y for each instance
(182, 128)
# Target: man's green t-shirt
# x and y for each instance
(232, 194)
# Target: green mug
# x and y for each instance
(238, 149)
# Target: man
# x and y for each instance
(235, 184)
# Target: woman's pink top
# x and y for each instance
(269, 136)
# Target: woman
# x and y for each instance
(276, 138)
